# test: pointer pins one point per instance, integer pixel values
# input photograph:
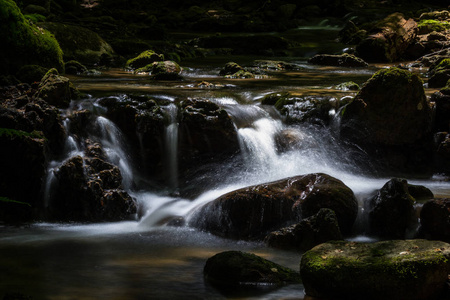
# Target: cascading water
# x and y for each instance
(171, 144)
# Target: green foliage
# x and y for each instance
(5, 199)
(27, 43)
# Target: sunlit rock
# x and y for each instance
(252, 212)
(389, 270)
(342, 60)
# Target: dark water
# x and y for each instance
(144, 259)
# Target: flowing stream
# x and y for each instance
(145, 258)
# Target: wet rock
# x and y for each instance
(230, 68)
(391, 118)
(343, 60)
(207, 133)
(143, 123)
(89, 189)
(240, 270)
(439, 73)
(390, 41)
(435, 220)
(348, 86)
(291, 139)
(74, 67)
(297, 110)
(57, 90)
(147, 57)
(390, 270)
(252, 212)
(391, 211)
(319, 228)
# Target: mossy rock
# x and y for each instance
(388, 270)
(439, 73)
(27, 43)
(428, 26)
(348, 86)
(236, 269)
(79, 43)
(57, 90)
(74, 67)
(145, 58)
(162, 70)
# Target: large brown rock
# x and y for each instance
(57, 90)
(252, 212)
(389, 41)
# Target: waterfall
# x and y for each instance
(171, 145)
(114, 145)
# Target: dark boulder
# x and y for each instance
(343, 60)
(89, 189)
(206, 133)
(235, 270)
(389, 42)
(442, 155)
(252, 212)
(390, 118)
(388, 270)
(391, 211)
(442, 109)
(435, 220)
(319, 228)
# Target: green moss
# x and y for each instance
(393, 77)
(11, 133)
(426, 26)
(145, 58)
(443, 65)
(27, 43)
(31, 73)
(35, 18)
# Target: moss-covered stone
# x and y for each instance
(27, 43)
(31, 73)
(348, 86)
(74, 67)
(57, 90)
(400, 270)
(236, 269)
(439, 73)
(427, 26)
(145, 58)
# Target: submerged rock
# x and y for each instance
(391, 211)
(252, 212)
(239, 270)
(388, 270)
(319, 228)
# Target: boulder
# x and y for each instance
(206, 133)
(57, 90)
(27, 43)
(162, 70)
(319, 228)
(391, 211)
(442, 155)
(230, 68)
(439, 73)
(81, 44)
(342, 60)
(388, 270)
(435, 220)
(74, 67)
(145, 58)
(389, 41)
(252, 212)
(390, 119)
(441, 100)
(231, 271)
(89, 189)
